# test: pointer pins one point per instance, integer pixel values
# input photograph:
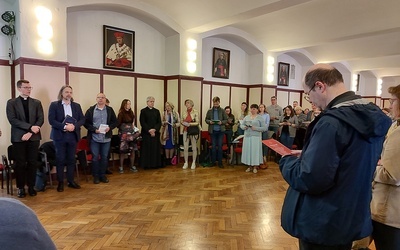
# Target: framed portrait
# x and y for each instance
(119, 48)
(220, 63)
(283, 74)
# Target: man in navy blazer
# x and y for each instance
(66, 118)
(25, 115)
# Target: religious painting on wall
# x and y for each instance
(119, 47)
(220, 64)
(283, 74)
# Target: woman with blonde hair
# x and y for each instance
(190, 117)
(169, 131)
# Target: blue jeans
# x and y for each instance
(100, 158)
(287, 140)
(216, 150)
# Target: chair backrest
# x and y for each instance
(10, 153)
(83, 144)
(5, 161)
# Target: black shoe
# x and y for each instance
(96, 180)
(21, 193)
(108, 172)
(74, 185)
(220, 165)
(60, 187)
(32, 191)
(104, 179)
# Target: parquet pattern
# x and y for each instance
(169, 208)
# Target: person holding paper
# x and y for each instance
(126, 130)
(216, 118)
(169, 131)
(253, 126)
(287, 127)
(100, 121)
(263, 113)
(327, 204)
(275, 112)
(190, 117)
(26, 117)
(65, 134)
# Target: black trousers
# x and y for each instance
(385, 237)
(304, 245)
(26, 162)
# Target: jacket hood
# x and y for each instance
(366, 118)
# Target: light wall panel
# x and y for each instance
(149, 87)
(205, 105)
(267, 94)
(190, 90)
(222, 92)
(254, 96)
(46, 83)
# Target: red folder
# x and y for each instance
(277, 147)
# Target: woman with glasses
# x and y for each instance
(287, 127)
(386, 185)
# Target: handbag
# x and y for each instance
(174, 160)
(193, 130)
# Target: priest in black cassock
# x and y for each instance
(150, 120)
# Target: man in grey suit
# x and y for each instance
(25, 115)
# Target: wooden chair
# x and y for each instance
(7, 174)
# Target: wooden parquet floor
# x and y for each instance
(169, 208)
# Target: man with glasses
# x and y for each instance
(275, 112)
(327, 205)
(100, 120)
(26, 117)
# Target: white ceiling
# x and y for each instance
(363, 34)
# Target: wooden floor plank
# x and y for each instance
(169, 208)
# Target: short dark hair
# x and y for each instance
(254, 106)
(329, 76)
(20, 82)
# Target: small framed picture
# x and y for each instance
(119, 47)
(283, 74)
(220, 63)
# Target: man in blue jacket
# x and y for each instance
(66, 118)
(327, 204)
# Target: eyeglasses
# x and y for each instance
(29, 88)
(307, 95)
(392, 100)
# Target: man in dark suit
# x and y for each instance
(66, 118)
(150, 120)
(25, 115)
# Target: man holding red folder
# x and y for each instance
(327, 204)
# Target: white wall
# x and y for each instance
(85, 40)
(239, 61)
(295, 83)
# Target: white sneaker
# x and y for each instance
(121, 170)
(193, 165)
(133, 169)
(248, 170)
(255, 170)
(185, 166)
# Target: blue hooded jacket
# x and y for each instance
(328, 201)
